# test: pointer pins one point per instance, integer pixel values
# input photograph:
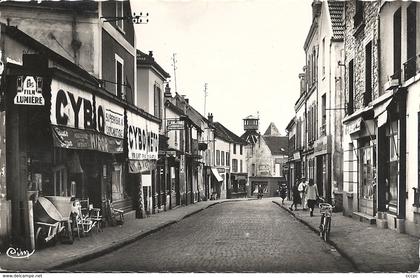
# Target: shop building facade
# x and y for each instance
(236, 174)
(323, 99)
(396, 113)
(72, 138)
(359, 138)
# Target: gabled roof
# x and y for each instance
(278, 145)
(222, 132)
(336, 9)
(251, 117)
(144, 59)
(272, 130)
(251, 136)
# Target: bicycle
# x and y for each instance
(326, 214)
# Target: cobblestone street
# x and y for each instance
(230, 237)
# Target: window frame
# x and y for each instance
(157, 95)
(120, 60)
(222, 158)
(119, 23)
(234, 165)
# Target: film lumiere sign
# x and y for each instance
(80, 123)
(29, 91)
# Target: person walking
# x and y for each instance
(283, 193)
(296, 196)
(311, 196)
(302, 189)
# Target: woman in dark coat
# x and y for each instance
(296, 196)
(283, 193)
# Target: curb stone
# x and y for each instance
(330, 242)
(123, 242)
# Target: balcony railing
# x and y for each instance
(410, 67)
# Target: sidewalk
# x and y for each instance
(368, 248)
(54, 258)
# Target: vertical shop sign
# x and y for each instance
(142, 138)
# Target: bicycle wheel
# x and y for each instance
(327, 228)
(321, 227)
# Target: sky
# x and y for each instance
(249, 52)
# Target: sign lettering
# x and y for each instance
(142, 137)
(71, 107)
(29, 91)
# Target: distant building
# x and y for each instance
(235, 162)
(267, 156)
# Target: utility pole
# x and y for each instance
(174, 61)
(205, 98)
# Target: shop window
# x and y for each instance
(117, 187)
(367, 175)
(119, 80)
(391, 182)
(234, 165)
(60, 182)
(222, 158)
(217, 157)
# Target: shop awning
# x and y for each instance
(216, 174)
(381, 112)
(72, 138)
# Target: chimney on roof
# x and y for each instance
(316, 8)
(167, 93)
(210, 117)
(151, 53)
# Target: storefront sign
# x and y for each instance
(88, 140)
(142, 137)
(174, 124)
(221, 170)
(113, 117)
(29, 91)
(141, 166)
(73, 108)
(296, 155)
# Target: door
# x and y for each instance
(320, 175)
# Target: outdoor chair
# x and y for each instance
(115, 216)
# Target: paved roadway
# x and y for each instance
(242, 236)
